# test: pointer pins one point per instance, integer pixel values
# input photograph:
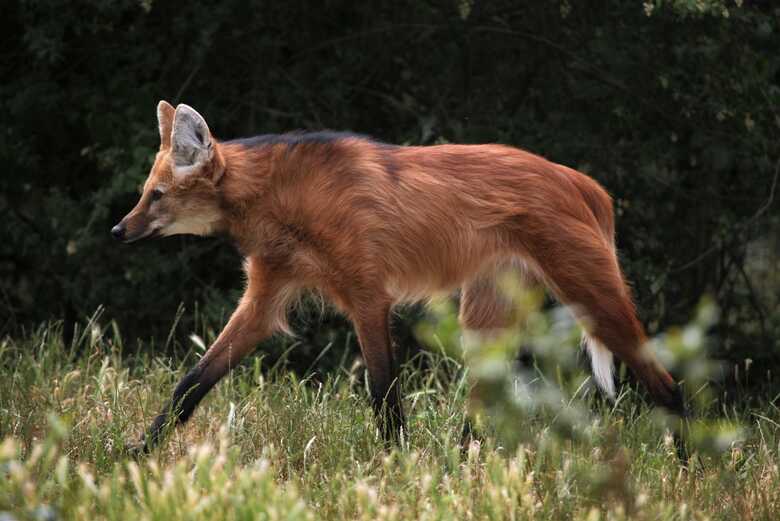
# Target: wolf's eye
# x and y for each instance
(156, 194)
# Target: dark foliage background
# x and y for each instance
(672, 105)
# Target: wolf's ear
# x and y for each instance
(165, 113)
(190, 140)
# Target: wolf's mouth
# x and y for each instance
(151, 234)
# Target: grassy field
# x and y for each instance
(268, 445)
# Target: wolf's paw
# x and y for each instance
(136, 450)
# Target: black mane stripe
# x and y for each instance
(297, 138)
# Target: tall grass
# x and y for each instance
(267, 444)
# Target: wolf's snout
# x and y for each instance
(118, 232)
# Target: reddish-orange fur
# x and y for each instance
(370, 225)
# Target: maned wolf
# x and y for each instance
(370, 225)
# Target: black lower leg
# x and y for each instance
(524, 361)
(676, 406)
(188, 393)
(386, 401)
(674, 403)
(469, 434)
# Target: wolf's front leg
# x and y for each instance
(250, 323)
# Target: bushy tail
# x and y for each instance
(602, 365)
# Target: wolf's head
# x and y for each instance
(181, 194)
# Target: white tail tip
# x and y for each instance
(601, 364)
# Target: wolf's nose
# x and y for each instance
(118, 232)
